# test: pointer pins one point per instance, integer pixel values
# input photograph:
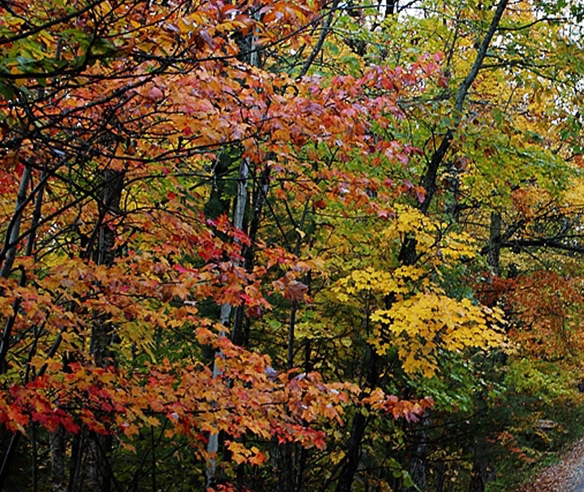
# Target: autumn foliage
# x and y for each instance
(250, 246)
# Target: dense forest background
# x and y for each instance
(287, 246)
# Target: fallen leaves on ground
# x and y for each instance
(565, 476)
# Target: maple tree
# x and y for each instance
(107, 255)
(243, 241)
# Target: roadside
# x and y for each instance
(565, 476)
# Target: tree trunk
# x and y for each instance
(240, 206)
(358, 428)
(479, 473)
(95, 450)
(58, 448)
(418, 465)
(353, 453)
(495, 243)
(440, 476)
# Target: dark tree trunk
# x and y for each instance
(94, 449)
(418, 462)
(58, 448)
(480, 468)
(358, 428)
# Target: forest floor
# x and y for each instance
(565, 476)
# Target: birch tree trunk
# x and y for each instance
(238, 217)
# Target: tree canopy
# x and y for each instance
(270, 245)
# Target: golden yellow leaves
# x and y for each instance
(574, 195)
(436, 245)
(368, 280)
(406, 304)
(432, 239)
(425, 323)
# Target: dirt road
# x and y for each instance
(566, 476)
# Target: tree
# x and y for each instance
(112, 123)
(252, 234)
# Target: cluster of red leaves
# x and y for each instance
(410, 410)
(510, 443)
(247, 397)
(543, 305)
